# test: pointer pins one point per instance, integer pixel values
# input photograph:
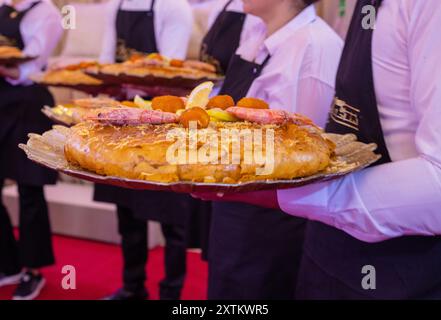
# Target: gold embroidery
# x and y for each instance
(205, 57)
(345, 114)
(13, 14)
(5, 41)
(124, 53)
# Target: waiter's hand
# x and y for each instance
(266, 199)
(9, 72)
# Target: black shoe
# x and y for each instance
(29, 287)
(123, 294)
(8, 280)
(173, 294)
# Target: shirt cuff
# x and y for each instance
(25, 69)
(307, 202)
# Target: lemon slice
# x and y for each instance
(180, 111)
(200, 95)
(159, 57)
(141, 103)
(221, 115)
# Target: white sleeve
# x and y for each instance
(215, 11)
(109, 38)
(314, 98)
(174, 25)
(399, 198)
(45, 22)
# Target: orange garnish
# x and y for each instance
(168, 103)
(129, 104)
(252, 103)
(177, 63)
(80, 66)
(199, 115)
(221, 102)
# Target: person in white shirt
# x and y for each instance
(228, 26)
(385, 218)
(173, 21)
(152, 26)
(290, 60)
(35, 28)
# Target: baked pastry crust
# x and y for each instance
(7, 52)
(140, 152)
(158, 72)
(69, 77)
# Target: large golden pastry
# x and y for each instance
(143, 152)
(72, 75)
(198, 139)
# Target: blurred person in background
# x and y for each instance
(289, 60)
(375, 234)
(34, 27)
(228, 27)
(149, 26)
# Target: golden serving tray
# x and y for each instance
(151, 80)
(48, 150)
(93, 89)
(59, 115)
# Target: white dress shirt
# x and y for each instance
(235, 6)
(173, 23)
(402, 197)
(300, 76)
(41, 30)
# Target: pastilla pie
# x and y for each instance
(207, 140)
(158, 66)
(71, 75)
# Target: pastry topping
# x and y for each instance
(221, 102)
(252, 103)
(200, 95)
(196, 114)
(168, 103)
(132, 116)
(261, 116)
(222, 115)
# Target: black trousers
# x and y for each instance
(34, 247)
(254, 253)
(134, 233)
(316, 284)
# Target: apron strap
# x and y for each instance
(151, 6)
(24, 12)
(258, 69)
(226, 5)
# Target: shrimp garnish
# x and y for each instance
(133, 116)
(270, 116)
(262, 116)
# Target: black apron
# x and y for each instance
(20, 113)
(223, 38)
(137, 30)
(406, 267)
(249, 256)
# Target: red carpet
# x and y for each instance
(98, 272)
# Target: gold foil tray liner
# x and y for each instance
(350, 156)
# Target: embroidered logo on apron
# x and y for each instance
(345, 114)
